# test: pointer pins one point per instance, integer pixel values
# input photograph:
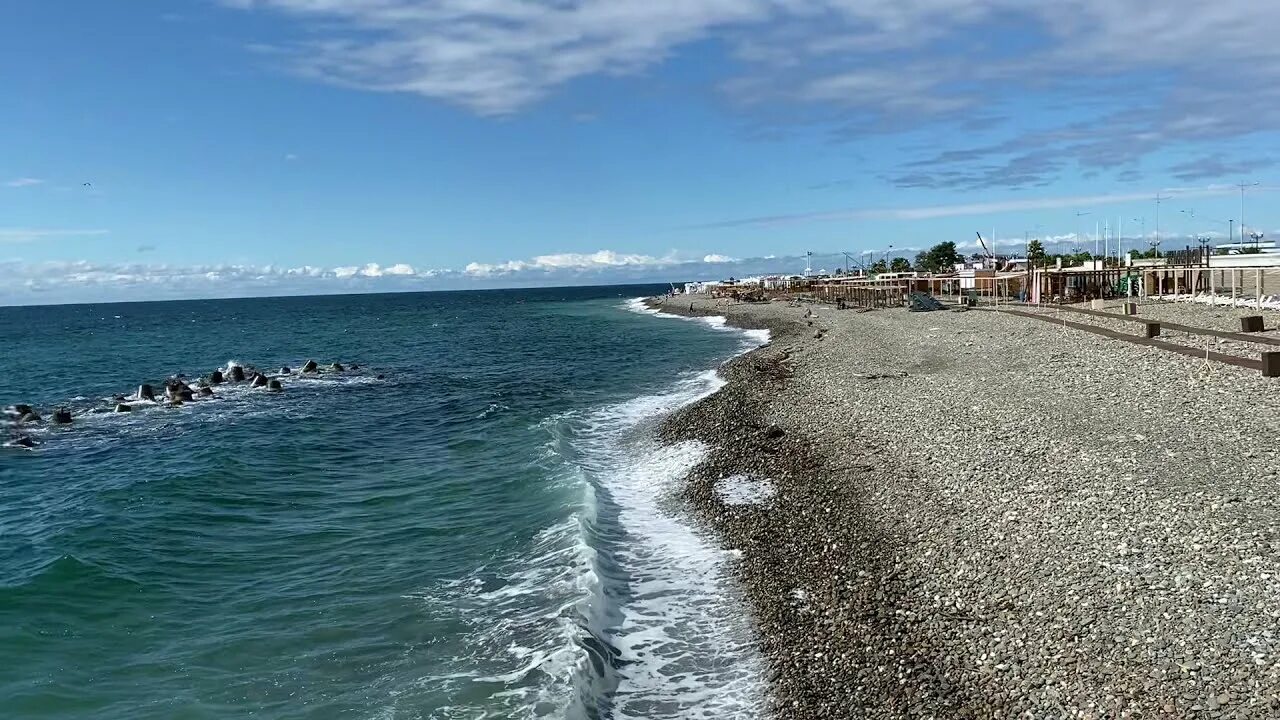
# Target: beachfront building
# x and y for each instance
(701, 288)
(1195, 274)
(781, 282)
(1251, 279)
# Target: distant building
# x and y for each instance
(701, 288)
(779, 282)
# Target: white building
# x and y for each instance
(701, 288)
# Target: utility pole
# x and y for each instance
(1156, 245)
(1077, 238)
(1242, 187)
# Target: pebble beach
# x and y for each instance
(975, 515)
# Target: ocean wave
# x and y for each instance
(623, 609)
(670, 611)
(752, 338)
(522, 615)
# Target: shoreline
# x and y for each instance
(786, 544)
(945, 541)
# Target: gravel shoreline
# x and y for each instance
(980, 515)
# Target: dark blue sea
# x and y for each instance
(485, 532)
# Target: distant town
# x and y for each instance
(1243, 273)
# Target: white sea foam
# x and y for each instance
(752, 338)
(514, 639)
(744, 490)
(686, 648)
(667, 622)
(493, 409)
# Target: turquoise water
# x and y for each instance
(481, 533)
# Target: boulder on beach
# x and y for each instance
(206, 391)
(236, 373)
(310, 367)
(355, 366)
(62, 416)
(274, 385)
(336, 367)
(23, 441)
(259, 380)
(215, 378)
(285, 370)
(146, 392)
(121, 407)
(31, 418)
(19, 410)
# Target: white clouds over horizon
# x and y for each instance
(82, 281)
(574, 262)
(33, 283)
(24, 182)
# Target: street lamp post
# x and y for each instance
(1243, 187)
(1076, 247)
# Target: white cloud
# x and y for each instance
(85, 281)
(855, 66)
(23, 235)
(24, 182)
(579, 262)
(714, 258)
(497, 56)
(984, 208)
(290, 157)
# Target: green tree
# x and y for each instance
(900, 264)
(940, 258)
(879, 266)
(1035, 252)
(922, 262)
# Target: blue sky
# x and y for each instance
(258, 147)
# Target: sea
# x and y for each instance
(487, 531)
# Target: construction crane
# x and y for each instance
(983, 243)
